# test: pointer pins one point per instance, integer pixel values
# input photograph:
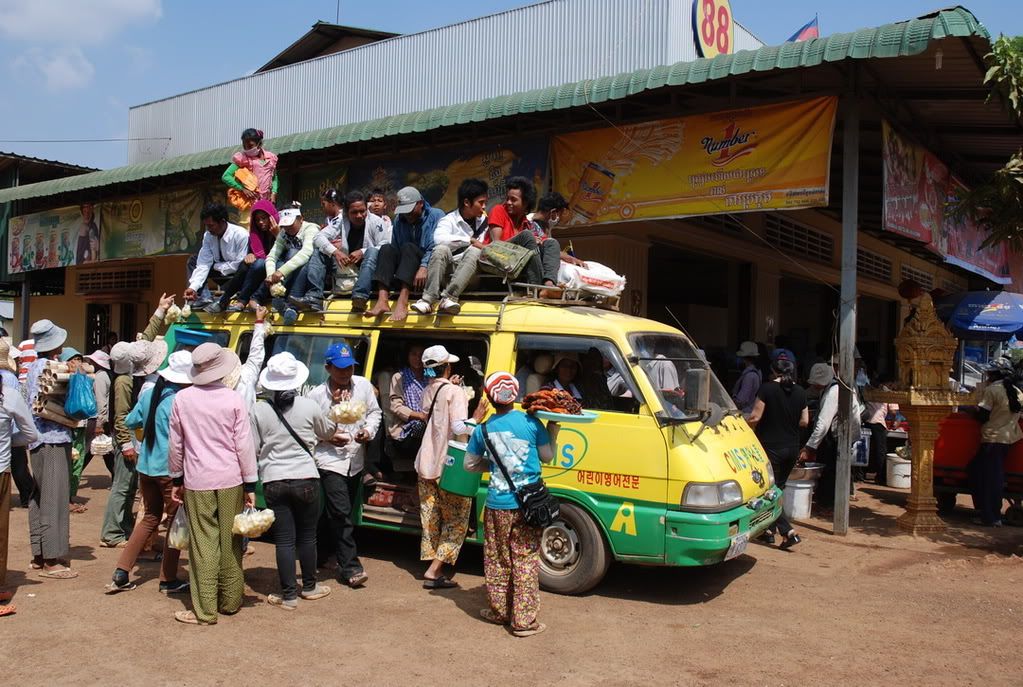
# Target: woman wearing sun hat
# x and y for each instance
(511, 548)
(48, 516)
(151, 414)
(444, 516)
(213, 464)
(287, 427)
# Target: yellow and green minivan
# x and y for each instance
(667, 474)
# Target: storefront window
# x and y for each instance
(666, 358)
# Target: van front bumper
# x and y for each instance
(704, 538)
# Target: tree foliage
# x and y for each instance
(998, 202)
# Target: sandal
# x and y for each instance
(77, 508)
(59, 574)
(357, 580)
(441, 582)
(188, 618)
(534, 629)
(491, 617)
(9, 609)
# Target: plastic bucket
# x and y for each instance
(455, 478)
(899, 472)
(797, 498)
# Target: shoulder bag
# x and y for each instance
(538, 506)
(504, 259)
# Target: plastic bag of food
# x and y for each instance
(172, 315)
(177, 533)
(252, 523)
(594, 278)
(348, 412)
(278, 290)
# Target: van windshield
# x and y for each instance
(665, 358)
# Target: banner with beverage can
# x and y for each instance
(774, 157)
(55, 238)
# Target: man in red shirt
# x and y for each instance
(509, 222)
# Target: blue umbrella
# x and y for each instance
(990, 315)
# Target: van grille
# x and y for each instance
(760, 517)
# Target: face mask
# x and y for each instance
(553, 221)
(430, 372)
(252, 152)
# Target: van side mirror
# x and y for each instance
(697, 386)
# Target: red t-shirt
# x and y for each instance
(499, 216)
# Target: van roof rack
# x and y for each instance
(519, 292)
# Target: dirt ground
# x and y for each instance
(874, 607)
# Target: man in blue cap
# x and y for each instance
(341, 457)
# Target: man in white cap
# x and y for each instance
(287, 263)
(48, 515)
(223, 251)
(403, 262)
(744, 393)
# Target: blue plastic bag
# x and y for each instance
(81, 398)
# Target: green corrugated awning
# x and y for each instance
(891, 40)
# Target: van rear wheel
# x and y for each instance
(573, 554)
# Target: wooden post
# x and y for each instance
(848, 425)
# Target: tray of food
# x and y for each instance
(556, 405)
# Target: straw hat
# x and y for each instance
(6, 361)
(147, 356)
(283, 372)
(211, 362)
(179, 368)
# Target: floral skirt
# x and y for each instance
(511, 564)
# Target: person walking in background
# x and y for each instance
(778, 415)
(212, 462)
(48, 515)
(100, 426)
(822, 446)
(151, 414)
(999, 412)
(511, 548)
(744, 393)
(20, 473)
(444, 516)
(341, 458)
(286, 427)
(17, 428)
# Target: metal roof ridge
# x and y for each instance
(905, 38)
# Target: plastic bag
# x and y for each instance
(594, 278)
(81, 399)
(253, 523)
(344, 280)
(177, 533)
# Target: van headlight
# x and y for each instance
(712, 496)
(770, 475)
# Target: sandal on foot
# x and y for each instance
(59, 574)
(491, 617)
(441, 582)
(282, 603)
(77, 508)
(357, 580)
(188, 618)
(535, 629)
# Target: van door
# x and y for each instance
(615, 467)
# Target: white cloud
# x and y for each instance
(76, 22)
(62, 70)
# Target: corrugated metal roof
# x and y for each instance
(891, 40)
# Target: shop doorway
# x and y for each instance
(807, 313)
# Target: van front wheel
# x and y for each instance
(573, 554)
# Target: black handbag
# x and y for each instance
(537, 504)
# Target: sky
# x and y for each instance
(72, 68)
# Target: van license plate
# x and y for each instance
(738, 547)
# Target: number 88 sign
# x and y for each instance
(713, 28)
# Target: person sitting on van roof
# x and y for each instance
(405, 258)
(350, 243)
(220, 257)
(288, 264)
(549, 211)
(457, 243)
(509, 222)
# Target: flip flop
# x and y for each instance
(530, 631)
(9, 609)
(59, 574)
(188, 618)
(357, 580)
(441, 582)
(77, 508)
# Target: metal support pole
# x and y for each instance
(848, 424)
(26, 293)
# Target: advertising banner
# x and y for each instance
(762, 158)
(55, 238)
(151, 225)
(917, 189)
(438, 174)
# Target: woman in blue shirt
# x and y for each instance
(511, 551)
(152, 414)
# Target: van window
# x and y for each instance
(312, 348)
(602, 379)
(217, 336)
(244, 344)
(665, 358)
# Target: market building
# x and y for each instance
(716, 184)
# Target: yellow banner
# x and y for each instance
(770, 157)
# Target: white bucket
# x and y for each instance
(797, 498)
(899, 472)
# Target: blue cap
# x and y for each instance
(68, 353)
(785, 353)
(340, 355)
